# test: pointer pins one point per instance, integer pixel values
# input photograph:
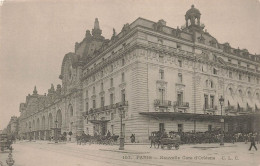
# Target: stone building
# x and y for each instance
(158, 77)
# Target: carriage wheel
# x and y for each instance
(169, 147)
(177, 146)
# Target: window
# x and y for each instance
(112, 129)
(229, 60)
(180, 63)
(211, 84)
(102, 73)
(161, 94)
(209, 127)
(111, 98)
(240, 77)
(123, 62)
(86, 106)
(180, 127)
(94, 90)
(178, 46)
(86, 93)
(94, 103)
(257, 96)
(111, 82)
(211, 101)
(206, 103)
(179, 98)
(239, 63)
(101, 86)
(214, 71)
(230, 74)
(248, 65)
(180, 77)
(123, 95)
(161, 127)
(161, 72)
(249, 79)
(123, 77)
(112, 116)
(160, 58)
(102, 101)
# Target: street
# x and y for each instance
(43, 153)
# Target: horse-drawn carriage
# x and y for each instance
(161, 138)
(5, 142)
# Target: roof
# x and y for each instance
(180, 115)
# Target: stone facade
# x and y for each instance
(160, 77)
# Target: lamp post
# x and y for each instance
(221, 101)
(122, 139)
(30, 139)
(56, 131)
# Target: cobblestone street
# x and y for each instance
(45, 153)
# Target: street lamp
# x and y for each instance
(122, 139)
(55, 131)
(221, 101)
(30, 133)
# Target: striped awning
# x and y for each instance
(231, 100)
(257, 103)
(241, 102)
(250, 102)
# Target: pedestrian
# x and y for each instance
(252, 140)
(132, 138)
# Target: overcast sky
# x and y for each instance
(35, 35)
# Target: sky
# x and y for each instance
(35, 35)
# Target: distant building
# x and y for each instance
(161, 77)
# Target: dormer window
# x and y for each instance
(180, 63)
(230, 74)
(215, 71)
(161, 72)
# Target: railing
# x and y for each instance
(210, 108)
(108, 107)
(162, 103)
(230, 109)
(250, 69)
(181, 104)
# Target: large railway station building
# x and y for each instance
(158, 77)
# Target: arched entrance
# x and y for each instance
(37, 129)
(43, 134)
(50, 126)
(59, 122)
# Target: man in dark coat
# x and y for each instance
(252, 140)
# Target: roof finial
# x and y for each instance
(35, 91)
(96, 24)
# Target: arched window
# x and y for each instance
(211, 84)
(257, 96)
(71, 111)
(230, 91)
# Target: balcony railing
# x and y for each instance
(108, 107)
(230, 109)
(162, 103)
(210, 108)
(181, 104)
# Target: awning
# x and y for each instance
(250, 103)
(241, 103)
(257, 103)
(231, 100)
(99, 121)
(193, 116)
